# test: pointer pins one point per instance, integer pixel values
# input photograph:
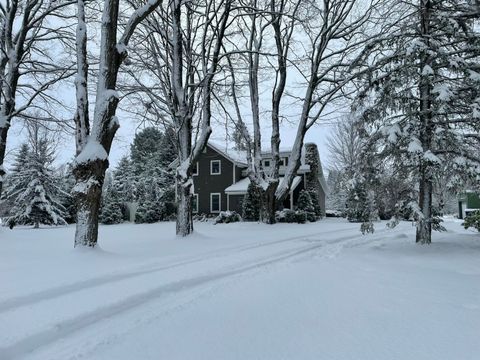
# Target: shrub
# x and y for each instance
(285, 216)
(226, 217)
(302, 216)
(472, 220)
(291, 216)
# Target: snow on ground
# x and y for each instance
(240, 291)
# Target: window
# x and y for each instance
(195, 203)
(266, 163)
(215, 167)
(281, 162)
(214, 202)
(195, 170)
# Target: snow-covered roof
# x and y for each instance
(240, 187)
(237, 156)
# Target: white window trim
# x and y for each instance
(219, 202)
(195, 172)
(195, 196)
(219, 167)
(265, 163)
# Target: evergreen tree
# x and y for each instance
(423, 96)
(251, 206)
(35, 190)
(146, 149)
(124, 180)
(111, 211)
(305, 203)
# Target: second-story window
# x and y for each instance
(195, 169)
(215, 167)
(266, 163)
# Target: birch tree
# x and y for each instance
(32, 36)
(94, 134)
(178, 53)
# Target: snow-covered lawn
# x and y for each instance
(240, 291)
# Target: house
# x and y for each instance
(220, 178)
(468, 201)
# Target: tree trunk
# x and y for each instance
(424, 224)
(3, 146)
(184, 210)
(88, 193)
(269, 204)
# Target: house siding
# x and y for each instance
(206, 184)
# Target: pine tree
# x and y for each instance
(423, 96)
(251, 205)
(112, 209)
(35, 190)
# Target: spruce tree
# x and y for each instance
(251, 205)
(111, 211)
(421, 102)
(35, 190)
(305, 203)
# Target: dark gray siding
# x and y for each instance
(236, 202)
(206, 184)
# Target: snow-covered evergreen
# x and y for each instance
(421, 100)
(252, 204)
(35, 189)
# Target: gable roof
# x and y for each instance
(236, 156)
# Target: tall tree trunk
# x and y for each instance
(90, 172)
(424, 225)
(3, 147)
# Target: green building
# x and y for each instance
(468, 201)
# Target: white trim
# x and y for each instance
(195, 172)
(195, 196)
(219, 202)
(219, 167)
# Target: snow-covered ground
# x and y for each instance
(240, 291)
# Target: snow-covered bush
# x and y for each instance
(226, 217)
(291, 216)
(472, 220)
(251, 204)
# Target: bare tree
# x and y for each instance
(94, 139)
(178, 52)
(319, 41)
(32, 35)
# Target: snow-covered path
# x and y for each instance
(147, 295)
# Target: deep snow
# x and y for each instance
(240, 291)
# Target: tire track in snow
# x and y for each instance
(29, 299)
(70, 326)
